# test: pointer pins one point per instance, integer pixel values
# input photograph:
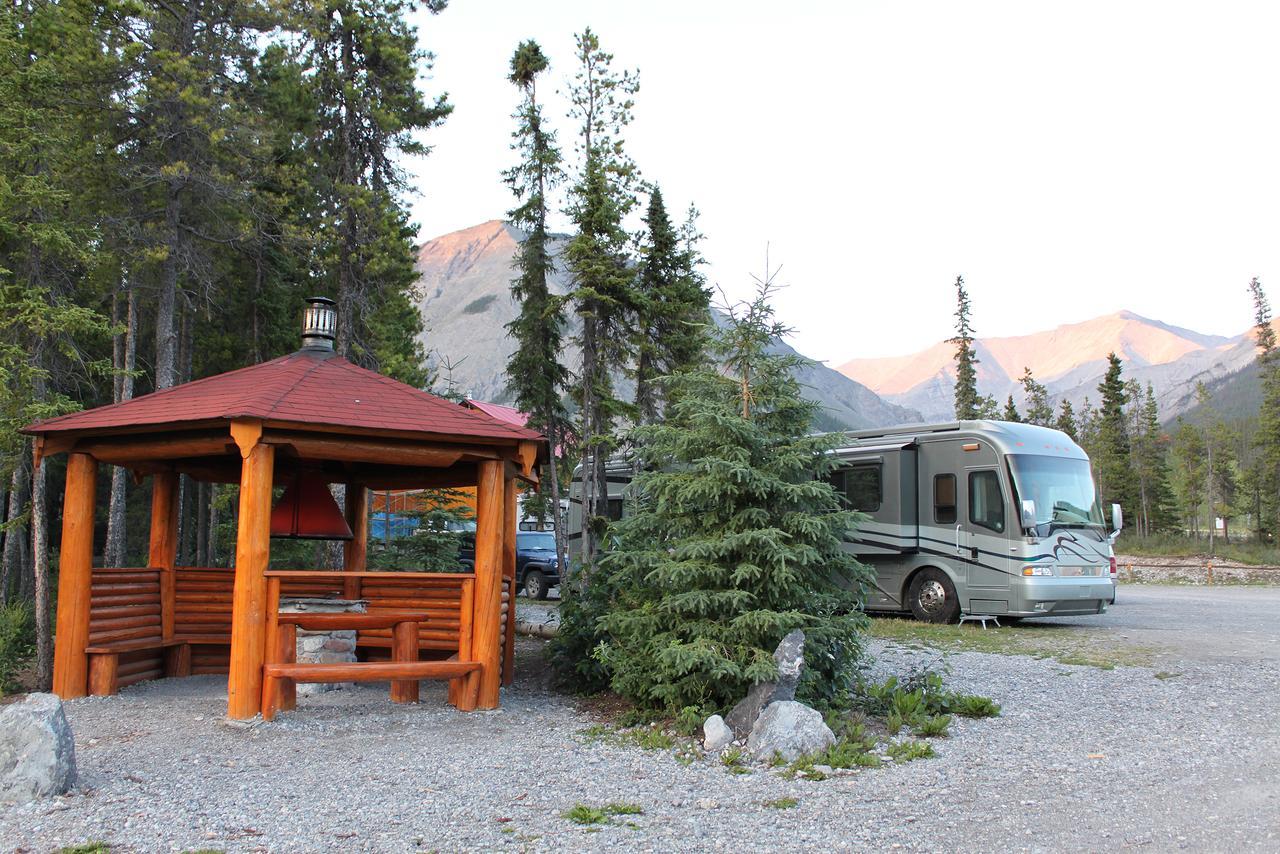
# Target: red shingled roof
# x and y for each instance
(309, 386)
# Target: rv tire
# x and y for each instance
(932, 597)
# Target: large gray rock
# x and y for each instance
(715, 734)
(37, 751)
(789, 657)
(790, 730)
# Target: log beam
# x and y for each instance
(249, 595)
(509, 525)
(75, 578)
(486, 622)
(164, 543)
(358, 450)
(355, 550)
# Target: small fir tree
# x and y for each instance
(1067, 421)
(968, 405)
(1111, 459)
(1010, 411)
(734, 539)
(1036, 399)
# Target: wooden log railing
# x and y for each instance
(405, 626)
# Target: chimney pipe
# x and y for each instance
(319, 324)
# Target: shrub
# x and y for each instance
(17, 642)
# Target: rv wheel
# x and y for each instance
(932, 597)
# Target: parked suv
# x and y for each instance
(536, 568)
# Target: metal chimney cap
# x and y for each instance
(319, 324)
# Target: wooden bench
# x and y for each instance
(281, 672)
(104, 658)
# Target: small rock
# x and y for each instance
(789, 729)
(824, 769)
(37, 750)
(715, 734)
(708, 804)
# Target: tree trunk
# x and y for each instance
(589, 448)
(15, 552)
(124, 359)
(211, 557)
(552, 475)
(202, 524)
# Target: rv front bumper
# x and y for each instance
(1063, 597)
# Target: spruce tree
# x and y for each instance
(598, 258)
(1268, 435)
(1112, 462)
(1036, 399)
(1010, 411)
(734, 539)
(672, 307)
(968, 405)
(536, 376)
(1067, 421)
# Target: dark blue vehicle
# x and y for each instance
(536, 568)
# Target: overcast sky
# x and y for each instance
(1069, 159)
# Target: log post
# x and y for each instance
(404, 649)
(249, 595)
(164, 544)
(510, 524)
(75, 579)
(486, 622)
(462, 691)
(355, 551)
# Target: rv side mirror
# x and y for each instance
(1028, 514)
(1117, 519)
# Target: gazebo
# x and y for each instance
(306, 418)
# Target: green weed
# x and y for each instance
(781, 803)
(905, 751)
(933, 726)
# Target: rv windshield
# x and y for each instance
(1061, 488)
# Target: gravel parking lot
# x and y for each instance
(1183, 756)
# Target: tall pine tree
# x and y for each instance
(1268, 436)
(1036, 400)
(1111, 458)
(967, 402)
(598, 259)
(536, 376)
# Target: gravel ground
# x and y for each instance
(1081, 759)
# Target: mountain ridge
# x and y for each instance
(464, 298)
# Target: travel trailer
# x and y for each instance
(967, 518)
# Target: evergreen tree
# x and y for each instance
(1111, 459)
(1036, 399)
(364, 64)
(734, 540)
(1067, 421)
(536, 376)
(672, 307)
(1150, 467)
(599, 261)
(1189, 473)
(1010, 411)
(1268, 436)
(967, 402)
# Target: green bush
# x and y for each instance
(17, 642)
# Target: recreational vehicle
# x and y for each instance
(971, 517)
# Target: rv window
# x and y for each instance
(615, 509)
(860, 487)
(986, 504)
(944, 499)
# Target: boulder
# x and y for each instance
(715, 734)
(790, 730)
(37, 751)
(789, 656)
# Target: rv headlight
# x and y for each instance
(1037, 570)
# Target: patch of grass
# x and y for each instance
(587, 815)
(1164, 674)
(734, 759)
(646, 738)
(906, 751)
(87, 848)
(933, 726)
(650, 738)
(782, 803)
(479, 306)
(1171, 545)
(1072, 645)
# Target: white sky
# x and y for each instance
(1070, 159)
